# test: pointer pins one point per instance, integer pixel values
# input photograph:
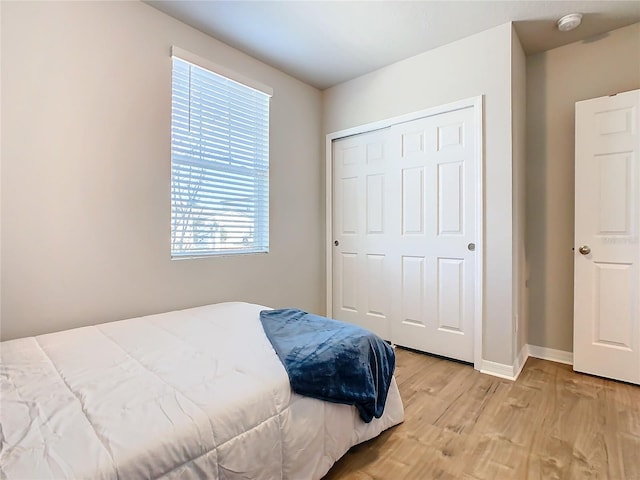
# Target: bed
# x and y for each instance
(196, 393)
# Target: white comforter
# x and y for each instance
(197, 393)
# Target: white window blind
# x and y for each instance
(219, 164)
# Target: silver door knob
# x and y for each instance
(471, 247)
(584, 249)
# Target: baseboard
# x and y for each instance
(502, 370)
(496, 369)
(511, 372)
(550, 354)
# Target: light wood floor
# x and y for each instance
(552, 423)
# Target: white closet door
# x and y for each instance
(361, 223)
(404, 226)
(607, 250)
(433, 243)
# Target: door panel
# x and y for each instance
(613, 319)
(413, 201)
(374, 202)
(450, 294)
(360, 220)
(412, 285)
(438, 224)
(450, 198)
(606, 283)
(376, 286)
(615, 183)
(349, 280)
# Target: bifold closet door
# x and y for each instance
(404, 226)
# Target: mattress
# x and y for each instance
(196, 393)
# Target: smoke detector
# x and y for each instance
(569, 22)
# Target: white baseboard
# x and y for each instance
(496, 369)
(550, 354)
(511, 372)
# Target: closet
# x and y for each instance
(405, 218)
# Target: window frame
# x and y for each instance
(261, 215)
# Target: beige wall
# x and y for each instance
(556, 79)
(477, 65)
(518, 125)
(86, 94)
(85, 117)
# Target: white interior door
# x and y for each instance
(404, 227)
(606, 309)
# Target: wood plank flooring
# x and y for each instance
(551, 424)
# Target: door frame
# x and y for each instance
(477, 103)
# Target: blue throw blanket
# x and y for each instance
(332, 360)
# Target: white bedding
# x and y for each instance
(197, 393)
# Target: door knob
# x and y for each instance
(584, 249)
(471, 247)
(336, 243)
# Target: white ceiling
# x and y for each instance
(324, 43)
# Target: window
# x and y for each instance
(219, 162)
